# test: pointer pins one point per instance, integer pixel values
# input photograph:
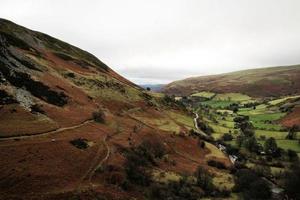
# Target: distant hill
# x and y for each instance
(262, 82)
(153, 87)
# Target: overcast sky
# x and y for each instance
(157, 41)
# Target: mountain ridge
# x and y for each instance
(273, 81)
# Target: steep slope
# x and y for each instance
(263, 82)
(43, 73)
(69, 125)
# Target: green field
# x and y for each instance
(278, 135)
(264, 118)
(204, 94)
(286, 144)
(235, 97)
(217, 103)
(278, 101)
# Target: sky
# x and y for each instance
(159, 41)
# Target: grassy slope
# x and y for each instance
(265, 119)
(272, 81)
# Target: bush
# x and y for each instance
(201, 143)
(37, 109)
(263, 170)
(204, 179)
(216, 164)
(292, 155)
(292, 181)
(99, 116)
(227, 137)
(70, 74)
(205, 127)
(270, 146)
(80, 143)
(135, 167)
(258, 189)
(141, 157)
(174, 190)
(6, 98)
(251, 186)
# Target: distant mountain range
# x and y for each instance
(153, 87)
(261, 82)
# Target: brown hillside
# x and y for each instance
(68, 123)
(263, 82)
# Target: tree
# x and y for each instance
(251, 186)
(148, 89)
(292, 181)
(205, 127)
(244, 178)
(270, 146)
(292, 133)
(258, 189)
(263, 170)
(204, 180)
(227, 137)
(251, 144)
(292, 155)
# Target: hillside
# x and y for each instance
(263, 82)
(72, 128)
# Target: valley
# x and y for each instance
(73, 128)
(245, 128)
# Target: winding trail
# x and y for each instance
(195, 121)
(101, 162)
(95, 164)
(197, 128)
(47, 133)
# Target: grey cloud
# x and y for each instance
(164, 40)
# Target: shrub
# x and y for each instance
(6, 98)
(174, 190)
(292, 155)
(204, 179)
(70, 74)
(258, 189)
(292, 181)
(201, 143)
(37, 109)
(135, 167)
(263, 170)
(251, 186)
(270, 146)
(141, 157)
(216, 164)
(80, 143)
(227, 137)
(99, 116)
(205, 127)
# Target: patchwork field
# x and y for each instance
(264, 115)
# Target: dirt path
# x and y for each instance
(101, 162)
(195, 121)
(47, 133)
(95, 164)
(197, 128)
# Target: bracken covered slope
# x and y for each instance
(45, 74)
(262, 82)
(68, 123)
